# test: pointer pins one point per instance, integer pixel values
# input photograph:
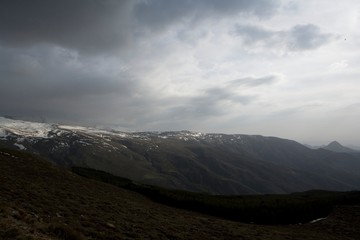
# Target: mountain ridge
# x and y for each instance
(214, 163)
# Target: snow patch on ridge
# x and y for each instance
(24, 128)
(318, 220)
(3, 133)
(21, 147)
(92, 131)
(33, 130)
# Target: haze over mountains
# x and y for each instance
(214, 163)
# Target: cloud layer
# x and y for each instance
(207, 65)
(97, 26)
(298, 38)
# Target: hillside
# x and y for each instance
(213, 163)
(39, 200)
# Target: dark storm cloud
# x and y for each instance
(184, 111)
(95, 26)
(159, 13)
(302, 37)
(217, 94)
(51, 50)
(298, 38)
(53, 83)
(55, 72)
(209, 103)
(251, 34)
(254, 82)
(91, 25)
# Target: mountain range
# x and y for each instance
(227, 164)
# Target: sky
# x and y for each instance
(271, 67)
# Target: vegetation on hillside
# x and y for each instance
(259, 209)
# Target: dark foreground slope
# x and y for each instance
(41, 201)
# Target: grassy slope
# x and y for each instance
(41, 201)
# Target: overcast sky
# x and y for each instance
(272, 67)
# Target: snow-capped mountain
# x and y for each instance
(25, 131)
(24, 128)
(215, 163)
(33, 130)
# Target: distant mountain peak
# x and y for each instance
(335, 143)
(335, 146)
